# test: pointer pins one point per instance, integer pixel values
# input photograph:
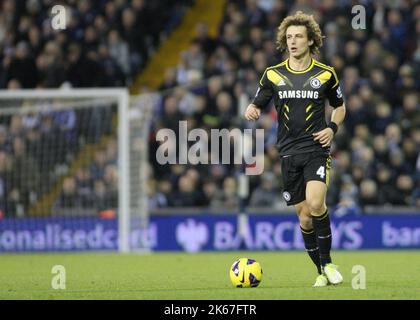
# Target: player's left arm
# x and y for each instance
(335, 97)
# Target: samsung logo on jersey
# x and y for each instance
(299, 94)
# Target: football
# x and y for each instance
(245, 273)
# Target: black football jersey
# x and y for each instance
(299, 98)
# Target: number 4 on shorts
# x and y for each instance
(321, 172)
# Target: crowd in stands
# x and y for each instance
(107, 43)
(93, 186)
(104, 44)
(37, 149)
(375, 152)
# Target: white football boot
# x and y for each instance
(332, 274)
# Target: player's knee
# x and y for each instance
(316, 205)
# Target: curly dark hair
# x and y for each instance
(300, 19)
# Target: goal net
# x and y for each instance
(73, 167)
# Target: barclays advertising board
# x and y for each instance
(206, 232)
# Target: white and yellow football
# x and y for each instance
(245, 273)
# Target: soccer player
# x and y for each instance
(299, 86)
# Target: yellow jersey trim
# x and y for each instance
(323, 66)
(300, 72)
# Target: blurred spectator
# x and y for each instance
(387, 190)
(266, 194)
(368, 193)
(348, 199)
(69, 197)
(119, 51)
(101, 199)
(156, 199)
(209, 192)
(165, 188)
(110, 179)
(226, 198)
(97, 168)
(22, 67)
(84, 185)
(187, 195)
(404, 190)
(25, 179)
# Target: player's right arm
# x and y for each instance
(261, 99)
(252, 112)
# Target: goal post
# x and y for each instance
(87, 125)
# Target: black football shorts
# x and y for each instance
(298, 169)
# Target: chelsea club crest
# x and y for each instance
(315, 83)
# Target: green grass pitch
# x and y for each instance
(205, 276)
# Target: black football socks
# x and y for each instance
(311, 246)
(322, 229)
